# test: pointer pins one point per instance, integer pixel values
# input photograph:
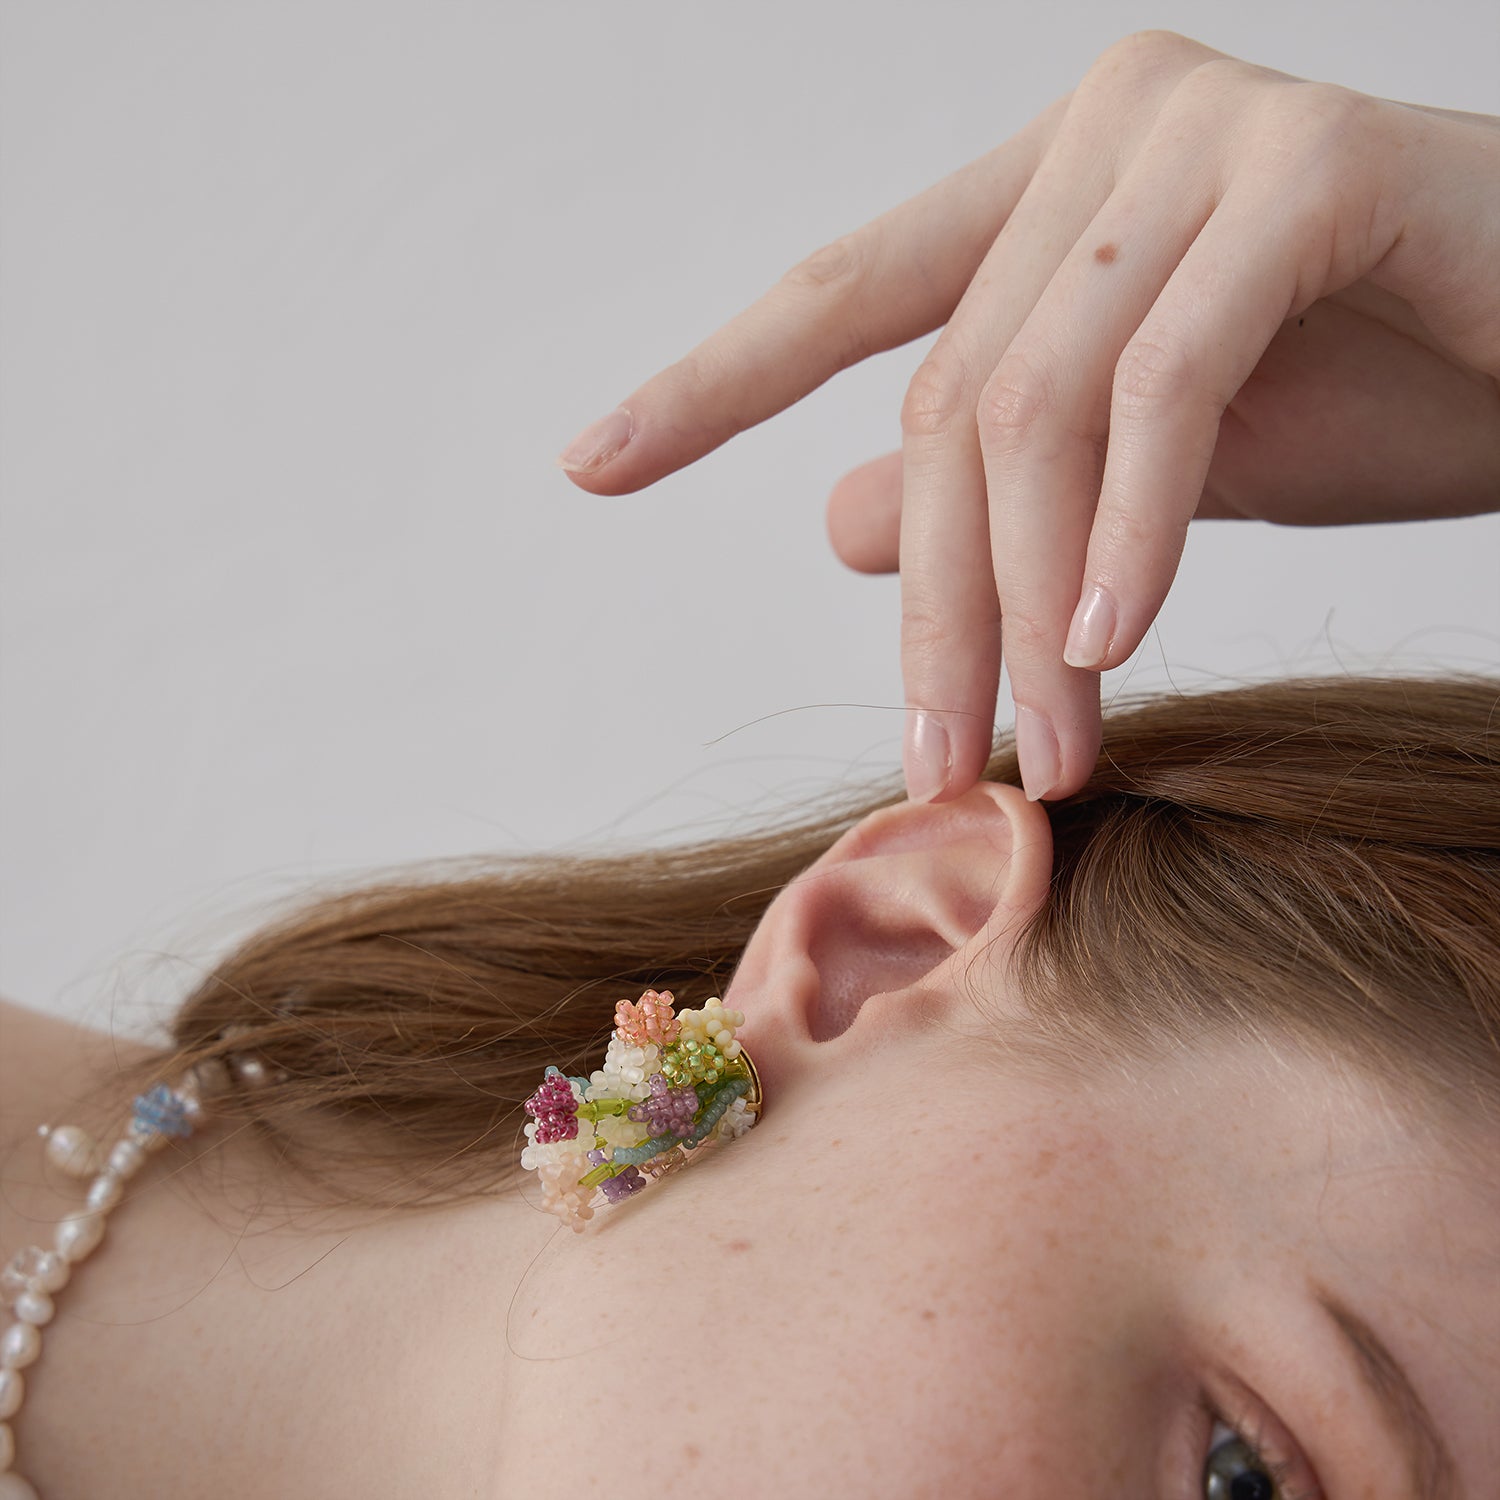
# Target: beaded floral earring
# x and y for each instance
(672, 1082)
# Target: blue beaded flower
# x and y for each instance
(163, 1111)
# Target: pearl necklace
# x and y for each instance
(33, 1274)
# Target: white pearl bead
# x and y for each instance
(13, 1487)
(147, 1137)
(249, 1069)
(19, 1346)
(210, 1077)
(50, 1271)
(78, 1234)
(7, 1447)
(34, 1307)
(73, 1150)
(126, 1158)
(104, 1192)
(12, 1391)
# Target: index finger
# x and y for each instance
(895, 279)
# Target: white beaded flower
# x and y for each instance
(735, 1121)
(619, 1132)
(625, 1071)
(534, 1156)
(712, 1024)
(561, 1194)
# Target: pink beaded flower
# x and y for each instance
(554, 1107)
(649, 1019)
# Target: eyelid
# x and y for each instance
(1250, 1418)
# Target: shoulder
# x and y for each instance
(50, 1064)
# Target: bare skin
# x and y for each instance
(936, 1268)
(1193, 286)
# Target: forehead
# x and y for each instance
(994, 1263)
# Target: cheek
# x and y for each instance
(990, 1300)
(861, 1319)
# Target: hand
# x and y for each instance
(1193, 286)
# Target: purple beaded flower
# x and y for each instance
(555, 1109)
(667, 1109)
(617, 1189)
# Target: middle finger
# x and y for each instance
(950, 611)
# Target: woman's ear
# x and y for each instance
(889, 905)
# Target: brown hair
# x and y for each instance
(1317, 859)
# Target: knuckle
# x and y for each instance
(1152, 372)
(935, 397)
(836, 278)
(836, 268)
(1014, 400)
(1141, 56)
(924, 634)
(1315, 125)
(1340, 111)
(1027, 637)
(1209, 85)
(1125, 536)
(698, 374)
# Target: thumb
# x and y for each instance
(864, 516)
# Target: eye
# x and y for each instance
(1237, 1469)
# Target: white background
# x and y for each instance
(299, 300)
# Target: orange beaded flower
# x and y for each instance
(649, 1019)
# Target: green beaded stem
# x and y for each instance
(603, 1170)
(591, 1109)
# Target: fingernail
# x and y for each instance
(1036, 748)
(596, 445)
(928, 758)
(1092, 632)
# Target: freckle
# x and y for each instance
(738, 1245)
(836, 1143)
(1105, 253)
(692, 1452)
(928, 1314)
(1043, 1162)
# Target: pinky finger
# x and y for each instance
(1237, 283)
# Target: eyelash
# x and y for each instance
(1276, 1454)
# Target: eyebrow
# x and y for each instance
(1433, 1475)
